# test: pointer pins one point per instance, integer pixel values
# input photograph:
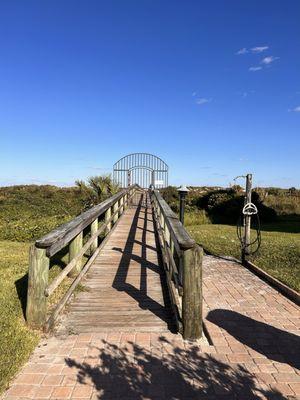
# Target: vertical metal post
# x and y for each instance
(247, 219)
(128, 178)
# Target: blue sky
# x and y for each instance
(212, 87)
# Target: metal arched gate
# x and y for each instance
(141, 168)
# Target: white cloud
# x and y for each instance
(259, 49)
(194, 94)
(253, 69)
(202, 100)
(268, 60)
(242, 51)
(296, 109)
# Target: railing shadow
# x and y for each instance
(140, 295)
(274, 343)
(135, 372)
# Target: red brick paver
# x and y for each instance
(255, 352)
(255, 324)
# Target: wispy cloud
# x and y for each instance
(296, 109)
(254, 50)
(268, 60)
(259, 49)
(242, 51)
(253, 69)
(202, 100)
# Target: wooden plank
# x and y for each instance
(36, 308)
(192, 293)
(94, 229)
(107, 221)
(74, 248)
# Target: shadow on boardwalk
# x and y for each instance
(276, 344)
(166, 372)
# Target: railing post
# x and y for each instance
(115, 208)
(167, 234)
(94, 228)
(122, 205)
(36, 309)
(74, 248)
(107, 217)
(192, 293)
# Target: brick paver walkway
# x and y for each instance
(255, 352)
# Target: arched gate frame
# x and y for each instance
(143, 169)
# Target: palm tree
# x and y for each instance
(97, 189)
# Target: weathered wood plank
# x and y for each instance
(192, 293)
(74, 248)
(36, 309)
(94, 229)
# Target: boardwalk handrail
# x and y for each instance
(182, 259)
(70, 233)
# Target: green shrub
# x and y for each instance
(28, 212)
(225, 206)
(198, 217)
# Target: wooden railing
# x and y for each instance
(182, 259)
(69, 234)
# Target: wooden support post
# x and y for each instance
(180, 270)
(74, 248)
(167, 234)
(115, 208)
(192, 293)
(247, 219)
(36, 309)
(94, 228)
(107, 217)
(162, 221)
(122, 205)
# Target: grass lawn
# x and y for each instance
(16, 340)
(279, 254)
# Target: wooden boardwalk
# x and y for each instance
(123, 290)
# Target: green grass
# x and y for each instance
(29, 212)
(284, 204)
(16, 340)
(279, 254)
